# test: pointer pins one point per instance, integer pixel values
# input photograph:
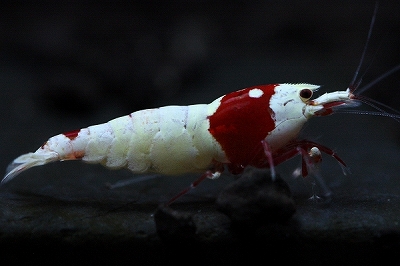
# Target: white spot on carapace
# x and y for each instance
(255, 93)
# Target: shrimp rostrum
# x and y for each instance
(256, 126)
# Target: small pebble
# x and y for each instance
(254, 199)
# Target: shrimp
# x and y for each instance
(255, 126)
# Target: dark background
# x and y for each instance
(67, 65)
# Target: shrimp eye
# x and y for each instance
(305, 94)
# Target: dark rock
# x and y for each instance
(174, 225)
(254, 199)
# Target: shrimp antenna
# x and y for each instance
(372, 83)
(353, 84)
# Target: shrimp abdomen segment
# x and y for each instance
(181, 143)
(167, 140)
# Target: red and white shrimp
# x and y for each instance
(256, 126)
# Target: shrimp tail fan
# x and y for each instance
(27, 161)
